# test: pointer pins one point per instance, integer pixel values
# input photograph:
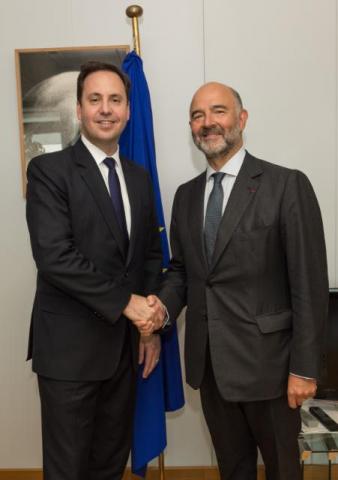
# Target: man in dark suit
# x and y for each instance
(96, 245)
(249, 261)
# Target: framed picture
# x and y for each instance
(46, 87)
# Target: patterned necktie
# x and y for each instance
(213, 214)
(116, 197)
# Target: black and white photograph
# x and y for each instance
(46, 81)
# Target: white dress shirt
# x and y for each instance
(231, 169)
(99, 156)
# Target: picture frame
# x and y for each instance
(46, 95)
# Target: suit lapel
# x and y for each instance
(243, 192)
(134, 200)
(196, 218)
(93, 178)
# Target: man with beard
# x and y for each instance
(249, 262)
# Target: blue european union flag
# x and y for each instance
(162, 390)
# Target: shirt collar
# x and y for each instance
(98, 154)
(231, 167)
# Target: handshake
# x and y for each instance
(146, 313)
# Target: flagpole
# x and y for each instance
(133, 12)
(161, 466)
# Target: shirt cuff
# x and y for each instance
(166, 322)
(301, 376)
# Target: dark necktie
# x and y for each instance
(213, 214)
(116, 197)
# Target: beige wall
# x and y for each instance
(282, 56)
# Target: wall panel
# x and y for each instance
(281, 56)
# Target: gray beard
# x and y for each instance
(212, 152)
(230, 140)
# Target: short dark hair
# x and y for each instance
(94, 66)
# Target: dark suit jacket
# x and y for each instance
(262, 304)
(85, 279)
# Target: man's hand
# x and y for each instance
(299, 389)
(150, 349)
(146, 318)
(154, 302)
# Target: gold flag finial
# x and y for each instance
(133, 12)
